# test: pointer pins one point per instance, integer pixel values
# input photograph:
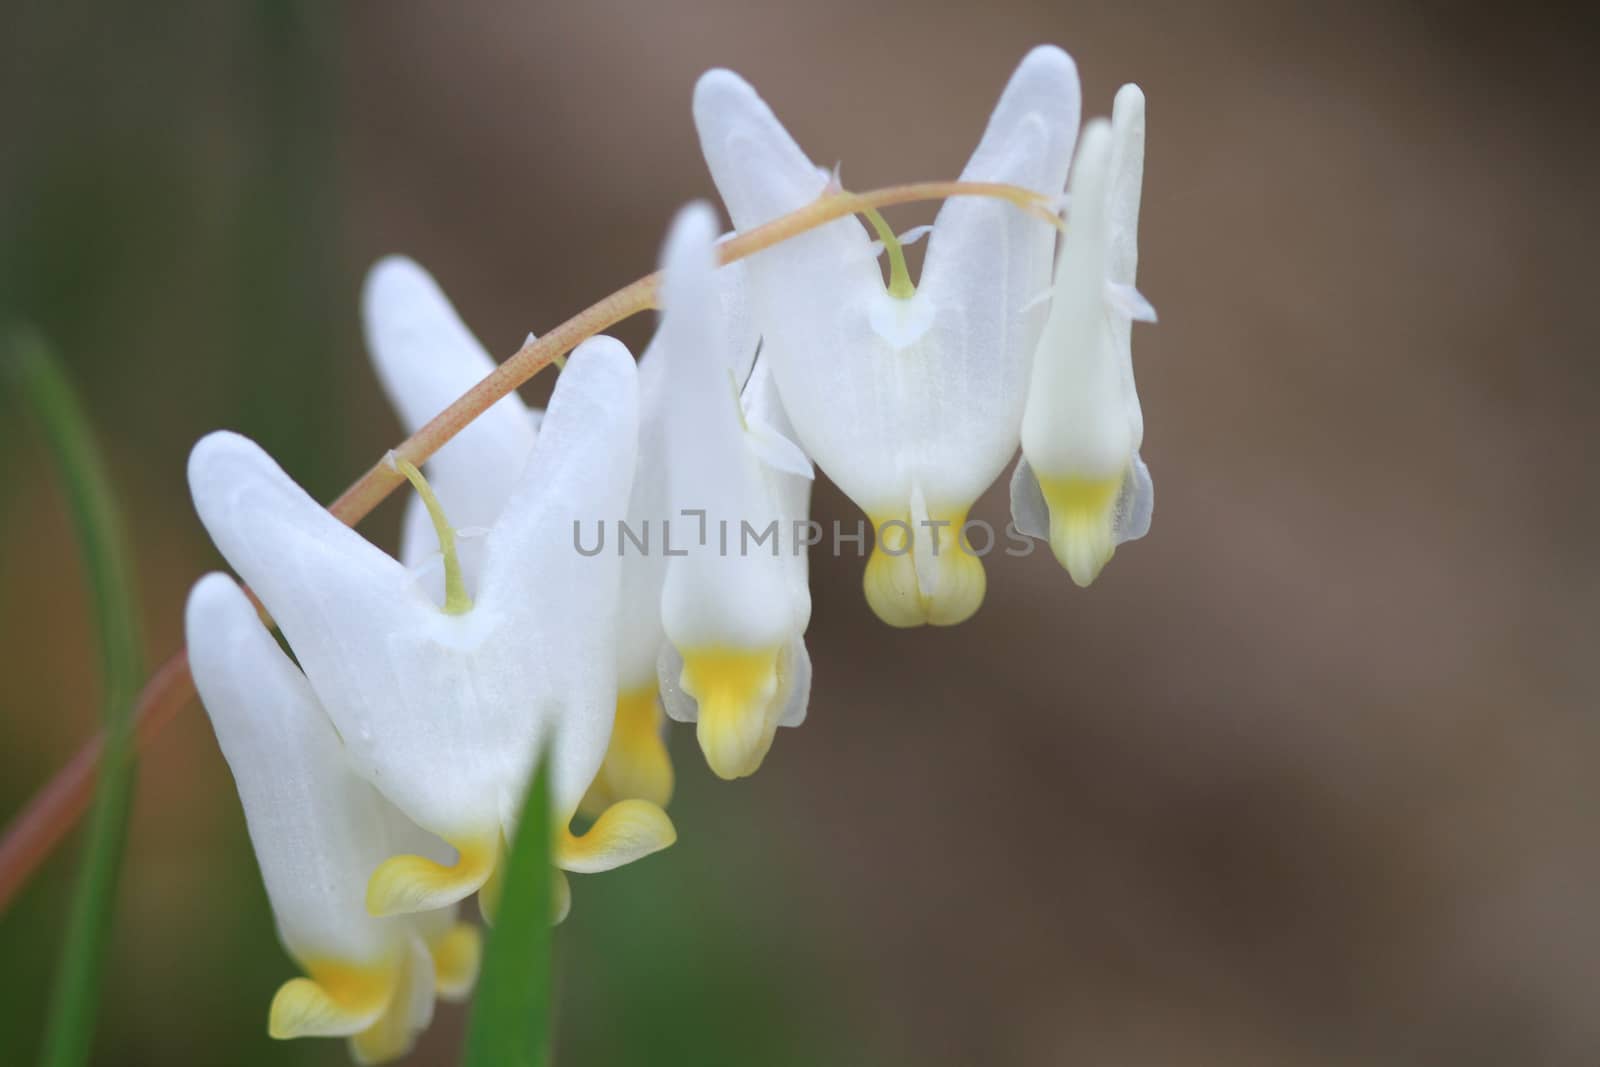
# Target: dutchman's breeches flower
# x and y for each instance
(909, 397)
(319, 831)
(426, 357)
(734, 604)
(445, 710)
(1082, 484)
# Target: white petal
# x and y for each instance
(558, 604)
(318, 830)
(812, 294)
(650, 520)
(1128, 302)
(761, 174)
(1127, 181)
(1029, 511)
(1076, 424)
(726, 592)
(679, 706)
(1135, 503)
(900, 324)
(913, 235)
(739, 328)
(885, 393)
(776, 450)
(795, 686)
(426, 358)
(420, 698)
(986, 261)
(763, 406)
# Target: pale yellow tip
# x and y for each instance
(1082, 524)
(394, 1033)
(338, 1001)
(406, 884)
(624, 832)
(736, 691)
(457, 954)
(950, 590)
(637, 766)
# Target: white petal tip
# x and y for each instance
(1129, 97)
(913, 235)
(835, 178)
(1049, 58)
(1130, 302)
(720, 88)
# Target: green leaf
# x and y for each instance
(69, 1027)
(510, 1024)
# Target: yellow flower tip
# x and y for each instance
(338, 1000)
(457, 954)
(637, 766)
(381, 1044)
(405, 884)
(624, 832)
(394, 1033)
(1082, 523)
(736, 691)
(950, 589)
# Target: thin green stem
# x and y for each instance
(456, 600)
(899, 275)
(69, 1027)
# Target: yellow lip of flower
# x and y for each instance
(1082, 523)
(457, 954)
(637, 766)
(338, 999)
(408, 883)
(736, 691)
(919, 574)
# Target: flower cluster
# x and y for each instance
(381, 771)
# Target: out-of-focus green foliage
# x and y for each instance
(38, 377)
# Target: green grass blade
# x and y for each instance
(510, 1024)
(69, 1028)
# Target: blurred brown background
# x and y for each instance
(1306, 778)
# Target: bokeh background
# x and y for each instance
(1307, 778)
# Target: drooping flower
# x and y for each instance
(444, 711)
(426, 358)
(910, 398)
(734, 603)
(318, 832)
(1081, 483)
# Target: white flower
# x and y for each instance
(318, 832)
(426, 358)
(911, 401)
(1081, 483)
(734, 604)
(445, 712)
